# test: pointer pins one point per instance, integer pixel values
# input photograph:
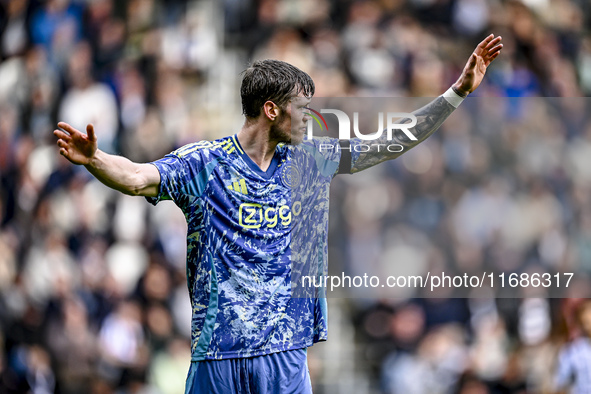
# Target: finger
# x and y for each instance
(490, 59)
(64, 152)
(493, 42)
(495, 49)
(485, 42)
(62, 144)
(67, 127)
(481, 48)
(90, 132)
(493, 57)
(60, 134)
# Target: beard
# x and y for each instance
(282, 132)
(279, 135)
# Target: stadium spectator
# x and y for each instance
(497, 155)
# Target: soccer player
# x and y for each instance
(255, 203)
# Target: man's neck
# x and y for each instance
(256, 144)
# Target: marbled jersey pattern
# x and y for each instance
(250, 234)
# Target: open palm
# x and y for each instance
(74, 145)
(475, 68)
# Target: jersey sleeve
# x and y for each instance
(172, 180)
(344, 152)
(176, 169)
(350, 151)
(327, 154)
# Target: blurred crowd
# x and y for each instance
(92, 283)
(502, 187)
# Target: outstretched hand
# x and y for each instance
(74, 145)
(474, 71)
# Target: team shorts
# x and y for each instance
(276, 373)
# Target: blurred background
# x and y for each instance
(92, 283)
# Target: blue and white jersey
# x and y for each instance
(251, 235)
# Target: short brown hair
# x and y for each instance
(272, 80)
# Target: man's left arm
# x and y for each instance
(430, 117)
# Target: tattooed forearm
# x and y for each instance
(429, 118)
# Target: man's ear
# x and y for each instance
(271, 110)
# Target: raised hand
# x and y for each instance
(74, 145)
(475, 68)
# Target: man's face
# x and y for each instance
(292, 122)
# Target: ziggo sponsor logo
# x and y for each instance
(251, 215)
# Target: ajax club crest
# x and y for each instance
(290, 176)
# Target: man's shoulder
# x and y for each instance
(316, 144)
(208, 150)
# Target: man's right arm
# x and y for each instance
(117, 172)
